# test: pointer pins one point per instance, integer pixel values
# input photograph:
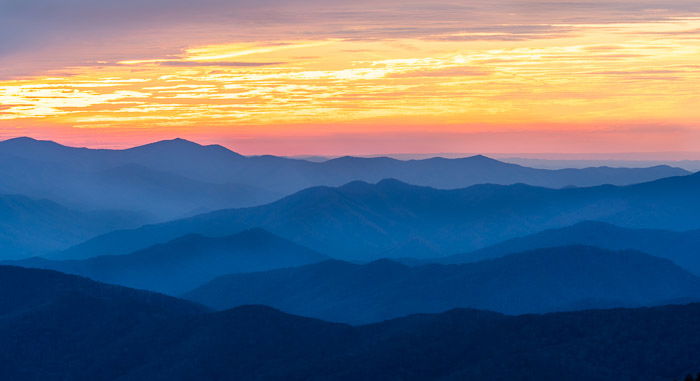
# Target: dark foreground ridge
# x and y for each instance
(61, 327)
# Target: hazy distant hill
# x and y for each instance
(54, 326)
(366, 221)
(172, 178)
(683, 248)
(545, 280)
(688, 165)
(187, 262)
(29, 226)
(83, 183)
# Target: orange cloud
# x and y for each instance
(393, 83)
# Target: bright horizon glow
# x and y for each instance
(371, 83)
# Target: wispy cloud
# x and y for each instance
(46, 34)
(448, 72)
(312, 67)
(218, 63)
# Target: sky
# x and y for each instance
(339, 77)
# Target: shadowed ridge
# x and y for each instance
(364, 221)
(536, 281)
(386, 264)
(259, 234)
(258, 312)
(679, 246)
(680, 181)
(88, 338)
(23, 289)
(398, 185)
(188, 261)
(355, 186)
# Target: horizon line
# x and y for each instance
(626, 156)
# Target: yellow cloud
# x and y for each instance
(598, 73)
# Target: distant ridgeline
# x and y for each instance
(105, 190)
(176, 178)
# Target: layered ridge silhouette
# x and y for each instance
(543, 280)
(187, 262)
(92, 331)
(35, 226)
(175, 178)
(683, 248)
(362, 221)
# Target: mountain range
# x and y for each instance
(683, 248)
(361, 221)
(61, 327)
(221, 266)
(187, 262)
(96, 179)
(543, 280)
(176, 178)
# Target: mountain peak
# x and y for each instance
(25, 141)
(391, 181)
(182, 142)
(485, 160)
(177, 142)
(21, 139)
(182, 145)
(394, 184)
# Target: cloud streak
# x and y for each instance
(72, 32)
(218, 63)
(276, 67)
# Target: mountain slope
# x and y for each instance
(165, 194)
(683, 248)
(130, 186)
(62, 327)
(364, 221)
(25, 290)
(187, 262)
(544, 280)
(65, 328)
(58, 327)
(29, 226)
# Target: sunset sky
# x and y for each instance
(355, 77)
